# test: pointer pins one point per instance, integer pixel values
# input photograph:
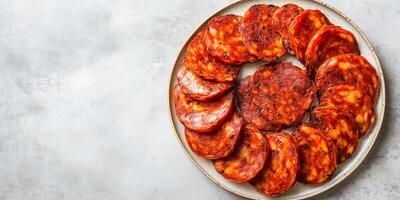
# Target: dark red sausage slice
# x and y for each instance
(202, 116)
(247, 159)
(205, 66)
(199, 89)
(284, 93)
(250, 112)
(224, 40)
(303, 28)
(340, 127)
(217, 144)
(328, 42)
(280, 170)
(282, 19)
(317, 155)
(259, 34)
(351, 100)
(348, 69)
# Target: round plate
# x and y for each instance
(299, 191)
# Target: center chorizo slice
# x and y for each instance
(329, 42)
(202, 116)
(340, 127)
(205, 66)
(224, 40)
(247, 159)
(303, 27)
(259, 34)
(284, 93)
(317, 155)
(198, 88)
(282, 18)
(217, 144)
(280, 170)
(250, 112)
(349, 69)
(352, 101)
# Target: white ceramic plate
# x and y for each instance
(299, 191)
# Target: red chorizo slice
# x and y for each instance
(329, 42)
(217, 144)
(206, 66)
(303, 27)
(247, 159)
(341, 128)
(282, 19)
(199, 89)
(202, 116)
(224, 40)
(284, 93)
(280, 170)
(317, 154)
(352, 101)
(348, 69)
(249, 111)
(259, 34)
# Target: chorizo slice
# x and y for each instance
(198, 88)
(352, 101)
(341, 128)
(202, 116)
(302, 28)
(248, 110)
(328, 42)
(217, 144)
(205, 66)
(224, 40)
(317, 153)
(259, 34)
(280, 170)
(283, 92)
(282, 18)
(348, 69)
(247, 159)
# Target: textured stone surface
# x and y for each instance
(83, 112)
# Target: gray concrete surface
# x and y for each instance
(83, 112)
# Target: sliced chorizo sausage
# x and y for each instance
(317, 155)
(280, 170)
(202, 116)
(247, 159)
(328, 42)
(217, 144)
(224, 40)
(259, 34)
(348, 69)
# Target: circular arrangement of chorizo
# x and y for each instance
(198, 88)
(326, 43)
(217, 144)
(202, 116)
(283, 92)
(282, 18)
(317, 154)
(341, 128)
(246, 161)
(348, 69)
(205, 66)
(303, 28)
(250, 112)
(224, 40)
(259, 34)
(280, 170)
(351, 100)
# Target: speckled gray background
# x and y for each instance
(83, 112)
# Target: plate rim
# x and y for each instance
(382, 89)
